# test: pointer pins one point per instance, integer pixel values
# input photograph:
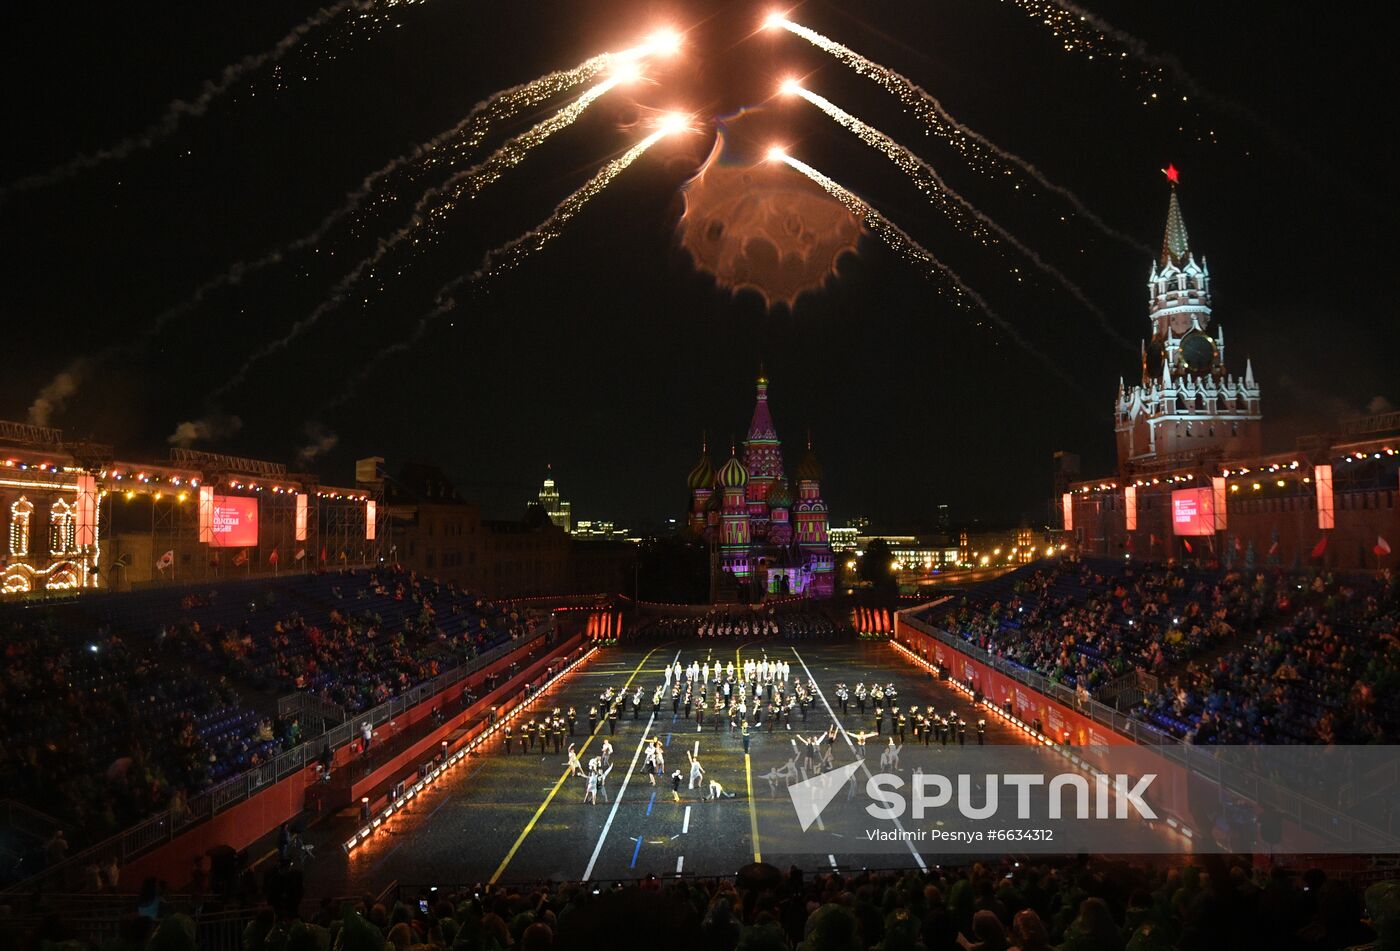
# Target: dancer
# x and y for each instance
(575, 767)
(717, 791)
(860, 739)
(676, 780)
(889, 757)
(697, 772)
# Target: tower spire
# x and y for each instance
(1175, 243)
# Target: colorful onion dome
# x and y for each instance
(703, 475)
(733, 475)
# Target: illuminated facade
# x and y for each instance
(50, 502)
(1190, 404)
(1193, 482)
(763, 532)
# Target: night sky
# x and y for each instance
(607, 354)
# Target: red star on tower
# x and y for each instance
(1172, 174)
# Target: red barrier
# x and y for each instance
(426, 747)
(241, 825)
(1056, 719)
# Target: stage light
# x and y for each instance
(790, 87)
(777, 154)
(774, 21)
(664, 42)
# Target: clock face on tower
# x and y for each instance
(1181, 324)
(1198, 351)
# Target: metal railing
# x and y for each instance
(310, 708)
(167, 825)
(1307, 813)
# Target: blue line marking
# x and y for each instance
(668, 739)
(652, 801)
(635, 851)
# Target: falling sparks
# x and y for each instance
(513, 252)
(180, 109)
(979, 151)
(959, 210)
(913, 252)
(427, 215)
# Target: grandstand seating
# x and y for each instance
(1262, 655)
(113, 704)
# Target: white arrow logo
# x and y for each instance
(811, 796)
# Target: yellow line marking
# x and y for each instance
(529, 826)
(748, 772)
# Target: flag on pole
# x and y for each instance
(241, 558)
(165, 561)
(301, 554)
(272, 558)
(1320, 547)
(1189, 549)
(1273, 549)
(323, 554)
(1382, 547)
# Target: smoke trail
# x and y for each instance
(320, 441)
(55, 395)
(213, 426)
(915, 253)
(431, 207)
(504, 258)
(179, 109)
(926, 177)
(979, 151)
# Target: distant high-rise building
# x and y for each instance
(942, 518)
(559, 511)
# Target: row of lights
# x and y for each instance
(146, 478)
(368, 829)
(1242, 470)
(1014, 721)
(24, 466)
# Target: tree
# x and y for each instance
(877, 567)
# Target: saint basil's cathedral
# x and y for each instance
(764, 531)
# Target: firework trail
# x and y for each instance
(506, 257)
(445, 147)
(462, 139)
(909, 249)
(427, 214)
(977, 149)
(178, 110)
(1085, 32)
(949, 200)
(1081, 31)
